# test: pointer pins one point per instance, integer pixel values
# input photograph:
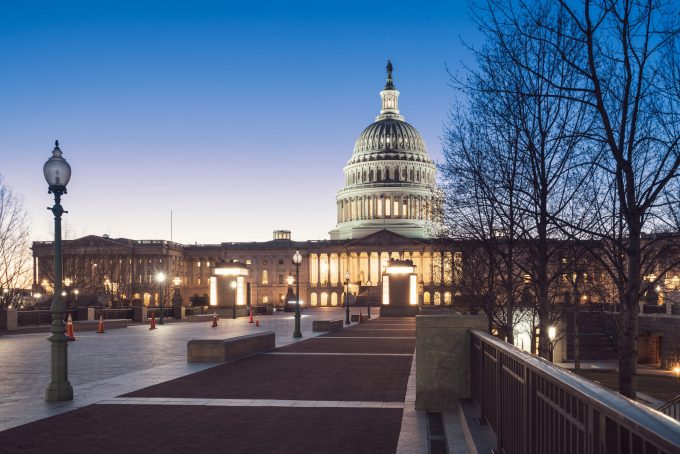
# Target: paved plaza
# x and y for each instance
(343, 392)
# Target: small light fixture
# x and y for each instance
(177, 281)
(290, 280)
(552, 332)
(160, 278)
(233, 284)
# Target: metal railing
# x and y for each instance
(39, 317)
(671, 408)
(167, 312)
(113, 314)
(535, 407)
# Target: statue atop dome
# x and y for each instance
(390, 84)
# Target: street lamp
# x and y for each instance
(57, 174)
(234, 285)
(67, 284)
(75, 292)
(160, 279)
(347, 322)
(297, 259)
(369, 298)
(552, 331)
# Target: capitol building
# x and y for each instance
(384, 211)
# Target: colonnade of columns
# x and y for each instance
(391, 206)
(432, 268)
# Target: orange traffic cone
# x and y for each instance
(214, 324)
(100, 328)
(251, 315)
(153, 321)
(70, 336)
(257, 322)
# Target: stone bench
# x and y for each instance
(217, 350)
(327, 325)
(92, 325)
(200, 318)
(355, 317)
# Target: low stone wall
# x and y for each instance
(218, 350)
(327, 325)
(443, 359)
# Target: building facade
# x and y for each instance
(383, 212)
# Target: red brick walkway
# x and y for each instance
(326, 369)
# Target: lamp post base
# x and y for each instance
(58, 392)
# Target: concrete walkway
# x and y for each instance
(344, 392)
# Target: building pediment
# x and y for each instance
(385, 238)
(95, 241)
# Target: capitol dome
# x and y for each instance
(389, 179)
(389, 136)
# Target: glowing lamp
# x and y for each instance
(57, 171)
(552, 332)
(297, 258)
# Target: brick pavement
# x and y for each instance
(322, 370)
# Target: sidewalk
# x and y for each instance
(343, 392)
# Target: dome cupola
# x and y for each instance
(389, 179)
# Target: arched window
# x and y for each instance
(426, 298)
(370, 175)
(313, 299)
(334, 299)
(411, 176)
(324, 299)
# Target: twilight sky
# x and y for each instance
(238, 117)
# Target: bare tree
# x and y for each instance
(627, 57)
(15, 256)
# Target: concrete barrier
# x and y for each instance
(217, 350)
(443, 359)
(327, 325)
(355, 317)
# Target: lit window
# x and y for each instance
(265, 277)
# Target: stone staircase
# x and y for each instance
(595, 342)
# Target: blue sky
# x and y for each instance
(237, 116)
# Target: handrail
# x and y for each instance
(671, 408)
(498, 363)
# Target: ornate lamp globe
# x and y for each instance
(297, 258)
(57, 171)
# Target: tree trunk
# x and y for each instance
(577, 342)
(628, 351)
